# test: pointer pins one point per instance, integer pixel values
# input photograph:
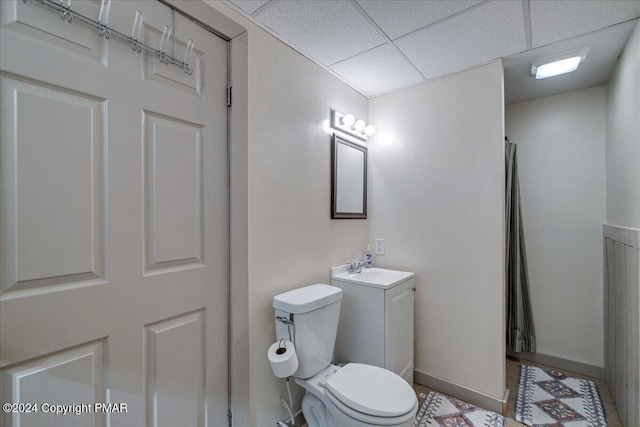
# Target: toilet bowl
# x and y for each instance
(358, 395)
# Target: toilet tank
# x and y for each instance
(314, 311)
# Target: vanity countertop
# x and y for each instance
(375, 277)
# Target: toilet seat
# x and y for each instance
(370, 419)
(369, 393)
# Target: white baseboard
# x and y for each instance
(460, 392)
(560, 363)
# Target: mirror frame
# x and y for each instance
(334, 180)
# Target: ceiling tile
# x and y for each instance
(552, 21)
(397, 18)
(482, 34)
(328, 31)
(377, 71)
(249, 6)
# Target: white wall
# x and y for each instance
(561, 159)
(623, 198)
(436, 189)
(292, 240)
(623, 137)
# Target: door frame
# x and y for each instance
(237, 149)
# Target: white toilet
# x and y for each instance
(354, 395)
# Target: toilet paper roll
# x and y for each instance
(283, 358)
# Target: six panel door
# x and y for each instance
(114, 219)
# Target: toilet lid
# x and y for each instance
(372, 390)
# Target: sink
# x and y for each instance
(375, 277)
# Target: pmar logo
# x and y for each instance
(110, 407)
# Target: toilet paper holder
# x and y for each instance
(282, 348)
(290, 325)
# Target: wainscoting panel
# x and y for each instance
(622, 320)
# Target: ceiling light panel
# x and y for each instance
(558, 63)
(328, 31)
(397, 18)
(378, 71)
(249, 6)
(556, 68)
(552, 21)
(490, 31)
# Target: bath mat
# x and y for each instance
(439, 410)
(551, 399)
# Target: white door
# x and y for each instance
(113, 226)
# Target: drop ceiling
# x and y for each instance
(379, 46)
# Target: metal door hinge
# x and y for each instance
(229, 96)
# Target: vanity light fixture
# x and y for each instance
(348, 124)
(561, 63)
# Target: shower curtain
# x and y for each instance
(521, 335)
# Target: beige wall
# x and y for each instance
(441, 212)
(623, 137)
(292, 240)
(561, 165)
(436, 197)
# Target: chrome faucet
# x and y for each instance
(356, 267)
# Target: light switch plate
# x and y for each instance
(379, 246)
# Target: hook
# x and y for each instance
(135, 32)
(103, 19)
(65, 12)
(187, 58)
(164, 41)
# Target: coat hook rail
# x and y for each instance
(68, 14)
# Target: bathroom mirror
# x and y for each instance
(348, 180)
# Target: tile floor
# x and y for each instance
(513, 370)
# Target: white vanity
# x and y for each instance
(376, 318)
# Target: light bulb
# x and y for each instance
(359, 125)
(348, 119)
(369, 130)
